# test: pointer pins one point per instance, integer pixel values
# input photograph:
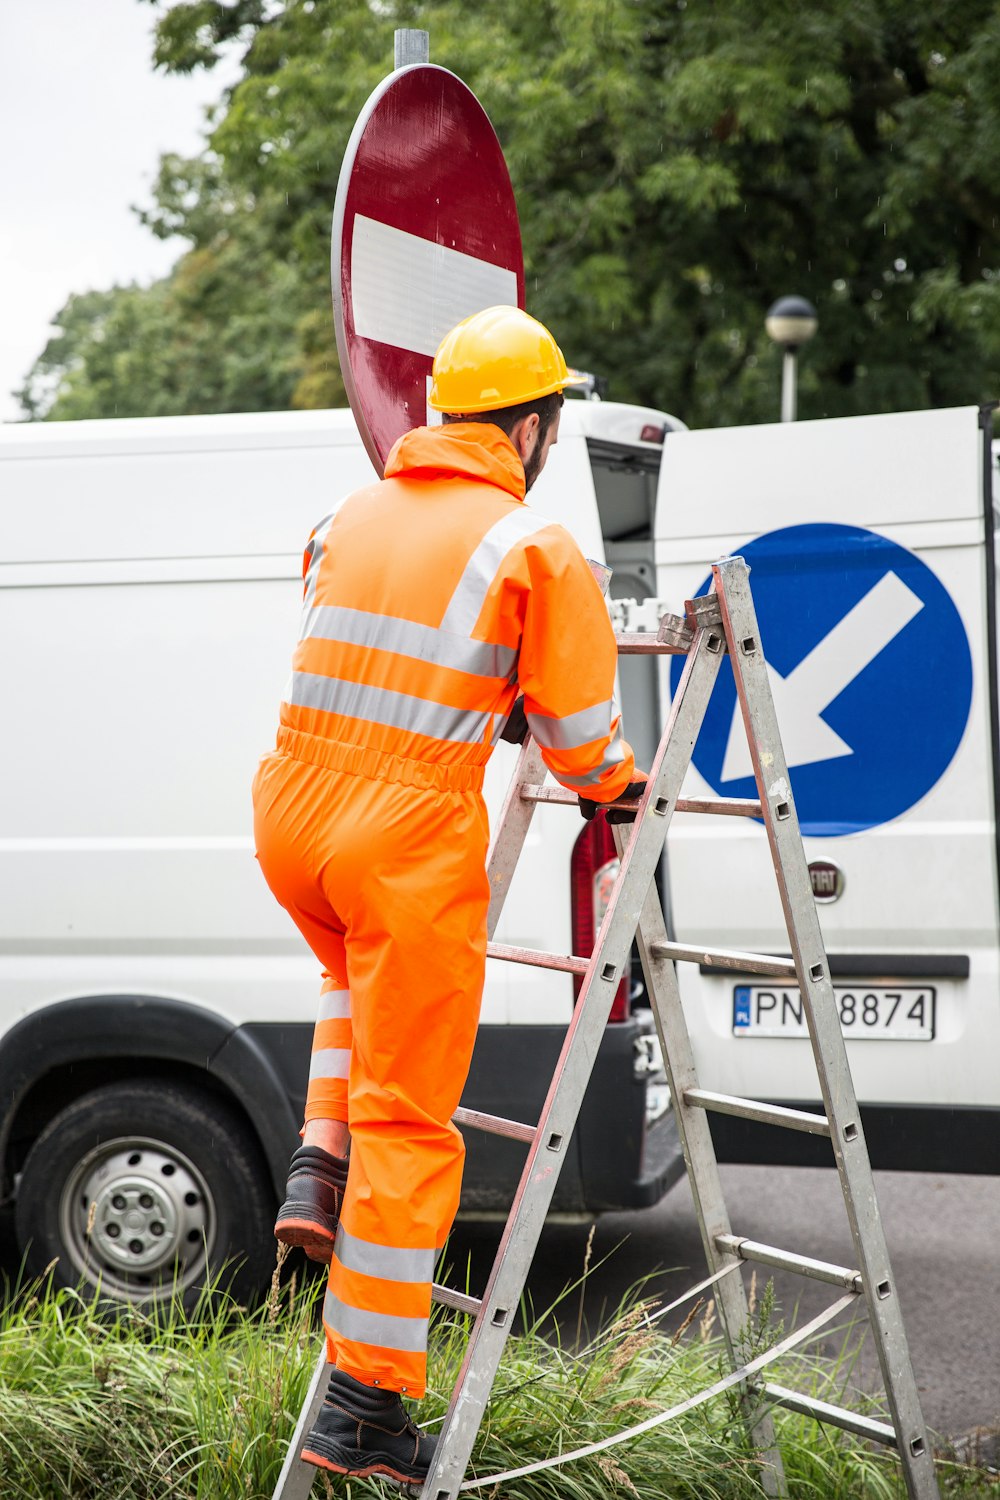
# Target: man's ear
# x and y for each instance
(523, 434)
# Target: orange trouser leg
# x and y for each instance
(288, 801)
(402, 872)
(411, 886)
(329, 1065)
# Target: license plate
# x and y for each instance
(871, 1013)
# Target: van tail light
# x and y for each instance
(593, 869)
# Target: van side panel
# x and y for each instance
(920, 888)
(150, 583)
(151, 572)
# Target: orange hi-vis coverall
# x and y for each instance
(430, 598)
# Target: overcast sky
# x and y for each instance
(84, 120)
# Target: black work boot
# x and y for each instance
(362, 1430)
(311, 1211)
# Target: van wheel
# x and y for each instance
(147, 1191)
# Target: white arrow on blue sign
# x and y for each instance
(870, 669)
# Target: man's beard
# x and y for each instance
(532, 465)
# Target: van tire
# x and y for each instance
(147, 1190)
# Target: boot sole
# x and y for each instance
(307, 1235)
(357, 1465)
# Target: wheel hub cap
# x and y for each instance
(139, 1209)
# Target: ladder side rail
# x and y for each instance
(829, 1049)
(695, 1135)
(296, 1478)
(512, 828)
(572, 1073)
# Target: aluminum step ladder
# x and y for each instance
(720, 622)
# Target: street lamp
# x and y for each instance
(790, 322)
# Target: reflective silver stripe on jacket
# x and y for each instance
(334, 1005)
(613, 756)
(574, 730)
(358, 700)
(384, 1261)
(332, 622)
(470, 593)
(314, 547)
(330, 1062)
(385, 1332)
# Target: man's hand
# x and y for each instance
(515, 731)
(614, 813)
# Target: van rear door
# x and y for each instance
(871, 554)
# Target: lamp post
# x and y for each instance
(790, 322)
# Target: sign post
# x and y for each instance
(410, 47)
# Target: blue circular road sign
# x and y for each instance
(871, 673)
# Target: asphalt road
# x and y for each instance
(944, 1243)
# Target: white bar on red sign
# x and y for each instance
(408, 292)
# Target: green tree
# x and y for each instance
(678, 164)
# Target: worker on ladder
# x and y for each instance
(431, 599)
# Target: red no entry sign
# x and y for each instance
(425, 233)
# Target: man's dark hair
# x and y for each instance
(507, 417)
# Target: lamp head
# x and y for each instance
(791, 321)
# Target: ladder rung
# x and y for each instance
(836, 1416)
(729, 807)
(537, 959)
(458, 1300)
(721, 958)
(549, 794)
(644, 643)
(751, 1109)
(725, 807)
(564, 798)
(787, 1260)
(476, 1119)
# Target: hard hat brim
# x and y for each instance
(496, 403)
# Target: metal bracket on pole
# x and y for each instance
(675, 631)
(411, 47)
(703, 613)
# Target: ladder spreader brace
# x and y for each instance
(719, 622)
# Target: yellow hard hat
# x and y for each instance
(498, 357)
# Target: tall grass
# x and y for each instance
(132, 1407)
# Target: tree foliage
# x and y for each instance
(678, 164)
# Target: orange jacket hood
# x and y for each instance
(462, 450)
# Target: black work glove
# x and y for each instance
(614, 813)
(515, 731)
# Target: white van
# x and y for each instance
(873, 571)
(156, 1004)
